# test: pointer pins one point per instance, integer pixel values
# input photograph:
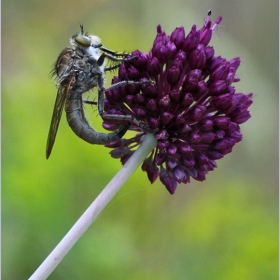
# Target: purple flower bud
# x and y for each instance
(192, 172)
(173, 75)
(159, 29)
(153, 66)
(214, 155)
(140, 113)
(146, 164)
(171, 162)
(160, 39)
(197, 113)
(114, 144)
(201, 158)
(114, 95)
(216, 62)
(234, 63)
(171, 49)
(232, 127)
(152, 170)
(149, 91)
(180, 119)
(187, 100)
(231, 141)
(181, 56)
(151, 105)
(209, 52)
(191, 81)
(178, 36)
(175, 95)
(231, 78)
(168, 181)
(200, 176)
(177, 63)
(185, 129)
(206, 34)
(195, 137)
(220, 72)
(202, 89)
(109, 125)
(198, 58)
(166, 118)
(154, 123)
(164, 102)
(236, 135)
(227, 151)
(141, 62)
(131, 89)
(129, 99)
(192, 40)
(126, 157)
(207, 137)
(172, 149)
(122, 74)
(133, 73)
(222, 101)
(140, 99)
(217, 87)
(161, 52)
(160, 158)
(119, 152)
(221, 145)
(162, 134)
(180, 174)
(185, 148)
(187, 160)
(221, 122)
(234, 103)
(220, 134)
(240, 116)
(206, 125)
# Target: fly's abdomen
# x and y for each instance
(79, 124)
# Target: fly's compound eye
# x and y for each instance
(83, 41)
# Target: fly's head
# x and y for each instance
(87, 43)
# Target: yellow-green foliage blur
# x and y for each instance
(223, 228)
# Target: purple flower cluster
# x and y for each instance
(191, 105)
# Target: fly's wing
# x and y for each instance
(57, 111)
(62, 72)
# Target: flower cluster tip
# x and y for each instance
(191, 106)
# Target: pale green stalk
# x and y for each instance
(59, 252)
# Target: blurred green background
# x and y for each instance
(223, 228)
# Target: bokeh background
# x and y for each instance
(223, 228)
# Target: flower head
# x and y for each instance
(191, 105)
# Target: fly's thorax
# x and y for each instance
(87, 73)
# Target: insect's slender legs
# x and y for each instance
(121, 132)
(112, 67)
(100, 105)
(102, 57)
(90, 102)
(113, 53)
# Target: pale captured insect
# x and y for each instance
(78, 69)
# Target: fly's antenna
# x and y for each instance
(82, 29)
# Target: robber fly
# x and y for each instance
(78, 69)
